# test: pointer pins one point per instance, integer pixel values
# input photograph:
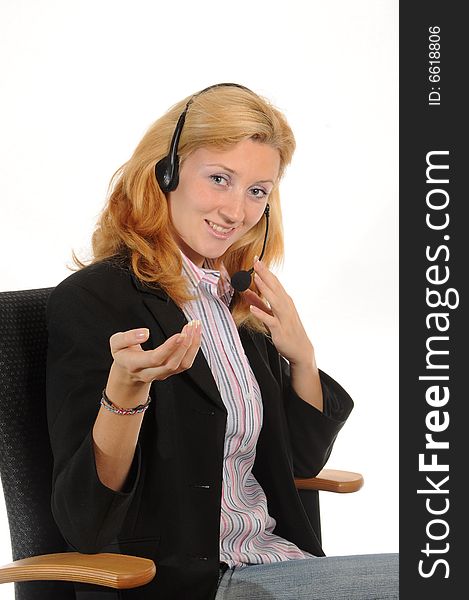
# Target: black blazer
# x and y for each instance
(169, 510)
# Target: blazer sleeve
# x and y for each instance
(312, 433)
(88, 514)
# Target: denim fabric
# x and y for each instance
(360, 577)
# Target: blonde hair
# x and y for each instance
(135, 223)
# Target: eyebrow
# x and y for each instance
(225, 168)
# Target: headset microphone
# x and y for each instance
(241, 280)
(167, 175)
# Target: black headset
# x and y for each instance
(167, 176)
(167, 169)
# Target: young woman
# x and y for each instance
(180, 408)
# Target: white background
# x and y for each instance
(82, 80)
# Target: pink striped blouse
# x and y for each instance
(246, 528)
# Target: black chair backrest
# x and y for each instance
(25, 452)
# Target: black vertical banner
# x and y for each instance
(434, 357)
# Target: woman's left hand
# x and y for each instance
(282, 319)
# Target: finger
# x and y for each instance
(270, 287)
(270, 295)
(176, 354)
(183, 357)
(183, 344)
(273, 290)
(251, 297)
(267, 276)
(191, 353)
(137, 361)
(125, 339)
(176, 346)
(266, 318)
(150, 366)
(149, 359)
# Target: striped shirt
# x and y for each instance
(245, 525)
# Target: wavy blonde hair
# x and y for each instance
(135, 222)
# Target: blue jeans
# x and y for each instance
(361, 577)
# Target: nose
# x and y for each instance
(232, 210)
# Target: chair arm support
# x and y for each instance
(117, 571)
(330, 480)
(121, 571)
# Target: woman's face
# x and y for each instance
(221, 195)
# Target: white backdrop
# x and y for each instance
(83, 79)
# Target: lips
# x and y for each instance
(222, 233)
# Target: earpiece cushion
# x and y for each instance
(167, 175)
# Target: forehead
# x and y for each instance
(247, 157)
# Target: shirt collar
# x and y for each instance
(218, 282)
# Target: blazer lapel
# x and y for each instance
(171, 320)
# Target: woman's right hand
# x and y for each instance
(115, 437)
(133, 365)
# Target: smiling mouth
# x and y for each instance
(219, 228)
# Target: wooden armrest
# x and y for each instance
(330, 480)
(117, 571)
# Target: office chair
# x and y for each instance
(42, 568)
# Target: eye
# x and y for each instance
(220, 179)
(259, 192)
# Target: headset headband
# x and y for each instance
(167, 169)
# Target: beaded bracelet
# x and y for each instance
(117, 410)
